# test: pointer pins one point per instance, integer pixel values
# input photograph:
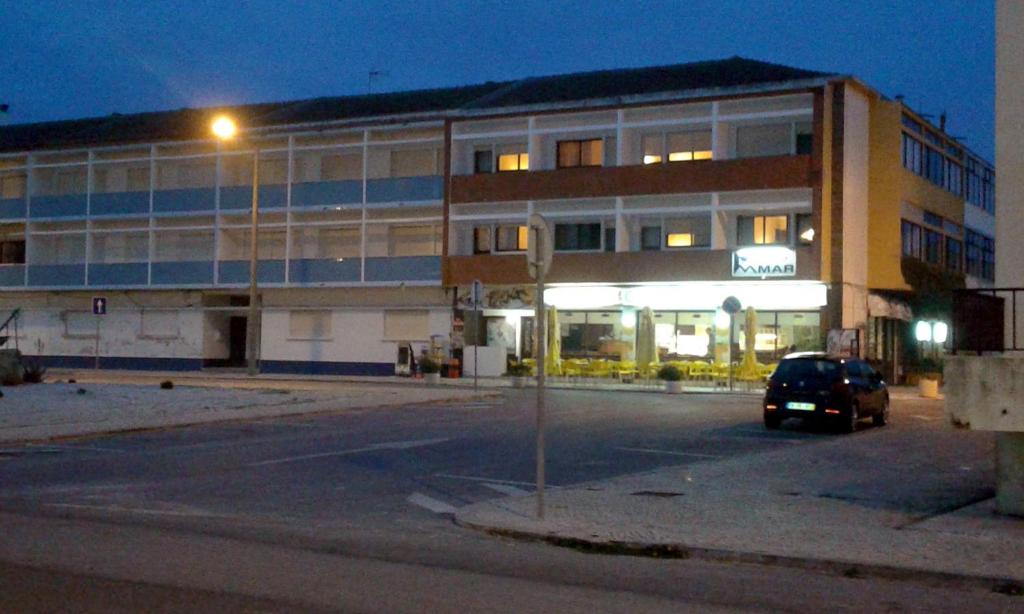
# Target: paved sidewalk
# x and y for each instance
(787, 507)
(115, 402)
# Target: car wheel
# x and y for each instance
(882, 417)
(848, 423)
(772, 422)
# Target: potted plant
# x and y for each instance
(431, 371)
(519, 374)
(672, 378)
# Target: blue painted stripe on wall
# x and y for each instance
(397, 189)
(305, 367)
(313, 271)
(56, 274)
(121, 274)
(189, 199)
(119, 203)
(322, 193)
(406, 268)
(149, 363)
(237, 271)
(12, 208)
(12, 275)
(128, 363)
(240, 197)
(171, 273)
(67, 205)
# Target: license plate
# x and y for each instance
(802, 406)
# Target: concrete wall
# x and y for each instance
(856, 181)
(985, 392)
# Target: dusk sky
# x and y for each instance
(77, 58)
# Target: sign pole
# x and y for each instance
(96, 349)
(538, 237)
(732, 327)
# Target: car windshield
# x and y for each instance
(820, 371)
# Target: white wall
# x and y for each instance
(856, 137)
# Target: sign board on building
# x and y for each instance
(99, 306)
(766, 261)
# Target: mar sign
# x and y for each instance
(761, 262)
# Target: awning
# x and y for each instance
(883, 307)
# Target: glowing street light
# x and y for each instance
(225, 129)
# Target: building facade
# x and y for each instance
(808, 196)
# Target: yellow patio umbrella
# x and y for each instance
(646, 345)
(553, 357)
(748, 368)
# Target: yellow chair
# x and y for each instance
(532, 364)
(574, 367)
(700, 370)
(625, 370)
(598, 368)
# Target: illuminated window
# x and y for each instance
(512, 238)
(679, 239)
(513, 162)
(804, 230)
(687, 146)
(762, 230)
(580, 153)
(652, 148)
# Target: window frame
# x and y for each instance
(579, 144)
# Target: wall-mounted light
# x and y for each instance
(940, 330)
(923, 331)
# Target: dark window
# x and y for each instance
(482, 240)
(580, 153)
(804, 229)
(807, 369)
(12, 252)
(609, 239)
(572, 237)
(804, 143)
(911, 235)
(483, 161)
(932, 220)
(954, 259)
(932, 246)
(650, 238)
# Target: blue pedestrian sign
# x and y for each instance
(99, 306)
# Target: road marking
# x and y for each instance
(925, 418)
(53, 447)
(140, 510)
(486, 480)
(430, 503)
(505, 489)
(390, 445)
(670, 452)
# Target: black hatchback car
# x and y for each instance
(839, 391)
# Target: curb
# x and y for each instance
(848, 569)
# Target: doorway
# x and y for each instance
(237, 332)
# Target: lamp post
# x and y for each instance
(225, 129)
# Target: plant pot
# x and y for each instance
(519, 382)
(928, 387)
(673, 387)
(432, 379)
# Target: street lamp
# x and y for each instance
(225, 129)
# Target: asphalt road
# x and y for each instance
(352, 511)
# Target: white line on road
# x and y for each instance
(505, 489)
(490, 480)
(670, 452)
(47, 447)
(139, 510)
(390, 445)
(925, 418)
(434, 505)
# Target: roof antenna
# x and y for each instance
(370, 76)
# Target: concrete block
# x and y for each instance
(1010, 473)
(985, 392)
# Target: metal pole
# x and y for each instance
(476, 361)
(541, 338)
(96, 348)
(728, 365)
(251, 336)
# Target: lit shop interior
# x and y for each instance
(602, 322)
